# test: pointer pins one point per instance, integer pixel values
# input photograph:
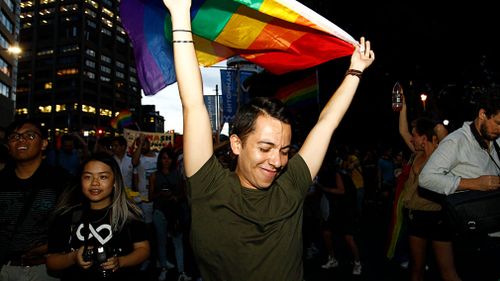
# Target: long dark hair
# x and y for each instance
(121, 207)
(171, 154)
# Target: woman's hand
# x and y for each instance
(112, 264)
(177, 5)
(80, 261)
(363, 56)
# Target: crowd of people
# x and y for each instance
(81, 213)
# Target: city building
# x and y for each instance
(9, 33)
(76, 71)
(152, 121)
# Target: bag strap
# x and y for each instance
(497, 148)
(484, 145)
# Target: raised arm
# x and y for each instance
(404, 131)
(314, 148)
(197, 138)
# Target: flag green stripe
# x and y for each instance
(212, 18)
(254, 4)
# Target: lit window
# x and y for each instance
(105, 78)
(90, 63)
(45, 109)
(92, 3)
(45, 52)
(121, 30)
(69, 8)
(47, 86)
(60, 107)
(67, 71)
(108, 12)
(22, 111)
(88, 108)
(105, 58)
(105, 69)
(90, 52)
(89, 74)
(107, 22)
(105, 112)
(26, 4)
(90, 13)
(106, 31)
(26, 15)
(120, 75)
(69, 48)
(45, 2)
(45, 12)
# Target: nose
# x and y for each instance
(95, 181)
(275, 159)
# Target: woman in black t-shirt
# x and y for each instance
(97, 232)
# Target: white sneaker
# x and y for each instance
(163, 275)
(356, 269)
(183, 277)
(331, 263)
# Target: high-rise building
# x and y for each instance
(152, 121)
(76, 71)
(9, 33)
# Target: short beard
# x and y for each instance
(485, 134)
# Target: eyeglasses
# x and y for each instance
(28, 135)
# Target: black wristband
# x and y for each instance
(354, 72)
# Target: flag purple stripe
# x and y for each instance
(153, 53)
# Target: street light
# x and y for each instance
(14, 50)
(423, 97)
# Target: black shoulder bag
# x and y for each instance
(475, 212)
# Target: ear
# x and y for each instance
(45, 143)
(235, 144)
(482, 114)
(435, 139)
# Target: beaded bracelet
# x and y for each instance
(181, 30)
(182, 41)
(354, 72)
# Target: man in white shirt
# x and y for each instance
(126, 162)
(467, 160)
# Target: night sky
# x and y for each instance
(442, 48)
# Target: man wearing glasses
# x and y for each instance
(28, 193)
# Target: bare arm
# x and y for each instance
(404, 131)
(198, 147)
(314, 148)
(136, 156)
(59, 261)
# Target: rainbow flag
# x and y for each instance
(122, 120)
(279, 35)
(301, 93)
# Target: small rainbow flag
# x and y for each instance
(279, 35)
(122, 120)
(301, 93)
